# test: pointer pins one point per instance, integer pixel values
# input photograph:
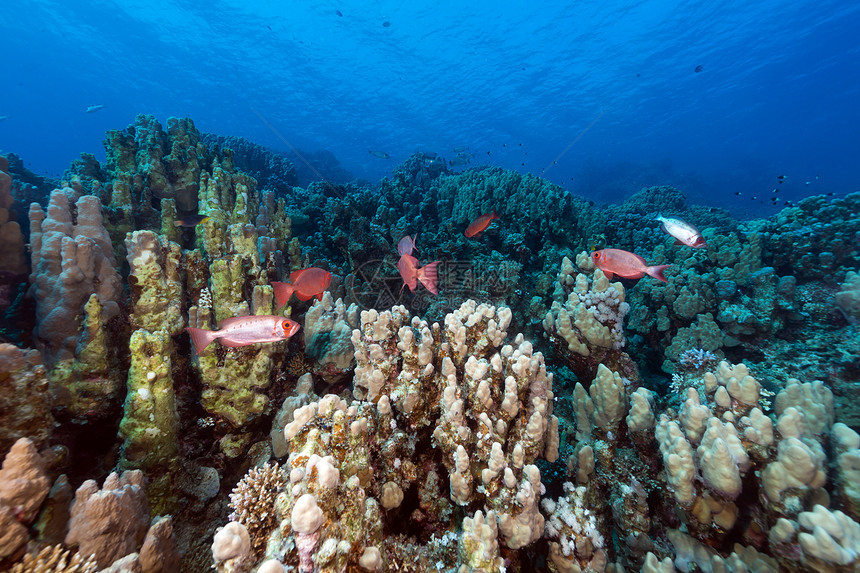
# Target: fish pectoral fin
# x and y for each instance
(679, 242)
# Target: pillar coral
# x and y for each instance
(150, 424)
(146, 164)
(234, 379)
(12, 257)
(72, 258)
(25, 400)
(156, 282)
(74, 278)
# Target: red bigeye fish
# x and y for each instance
(480, 224)
(625, 264)
(306, 283)
(405, 246)
(244, 330)
(684, 233)
(412, 273)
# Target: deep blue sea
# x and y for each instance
(601, 97)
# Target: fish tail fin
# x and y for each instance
(283, 292)
(201, 338)
(657, 272)
(429, 276)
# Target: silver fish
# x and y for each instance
(244, 331)
(379, 154)
(95, 108)
(684, 232)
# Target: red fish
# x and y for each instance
(306, 283)
(480, 224)
(244, 330)
(412, 273)
(625, 264)
(405, 246)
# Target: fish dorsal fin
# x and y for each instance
(229, 321)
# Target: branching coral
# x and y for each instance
(253, 502)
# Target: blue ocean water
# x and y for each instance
(601, 97)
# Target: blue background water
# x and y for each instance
(605, 89)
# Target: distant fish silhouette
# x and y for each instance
(339, 13)
(379, 154)
(191, 220)
(95, 108)
(2, 117)
(386, 24)
(461, 149)
(700, 68)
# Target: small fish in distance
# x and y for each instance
(379, 154)
(95, 108)
(684, 232)
(625, 264)
(244, 331)
(191, 220)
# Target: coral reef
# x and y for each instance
(272, 170)
(25, 399)
(350, 465)
(426, 437)
(12, 257)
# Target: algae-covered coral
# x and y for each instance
(538, 414)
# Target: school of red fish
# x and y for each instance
(312, 282)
